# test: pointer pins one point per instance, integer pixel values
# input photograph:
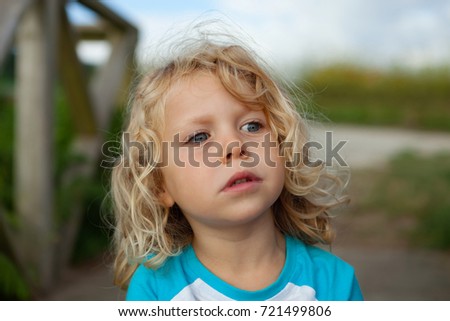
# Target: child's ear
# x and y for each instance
(165, 198)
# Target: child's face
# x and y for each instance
(209, 177)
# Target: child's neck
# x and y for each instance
(249, 259)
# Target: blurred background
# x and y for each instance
(375, 74)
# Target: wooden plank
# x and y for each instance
(75, 80)
(94, 32)
(10, 13)
(109, 15)
(109, 79)
(86, 142)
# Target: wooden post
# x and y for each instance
(34, 163)
(9, 15)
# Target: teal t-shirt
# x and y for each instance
(309, 273)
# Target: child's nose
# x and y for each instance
(234, 149)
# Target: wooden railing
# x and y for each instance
(45, 46)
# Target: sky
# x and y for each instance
(296, 34)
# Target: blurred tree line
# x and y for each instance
(415, 99)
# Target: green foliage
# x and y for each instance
(93, 237)
(417, 186)
(6, 151)
(95, 232)
(12, 284)
(349, 94)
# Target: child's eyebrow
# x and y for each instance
(203, 119)
(196, 120)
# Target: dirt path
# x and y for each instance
(400, 274)
(373, 146)
(387, 270)
(89, 282)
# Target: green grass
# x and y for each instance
(349, 94)
(416, 187)
(12, 285)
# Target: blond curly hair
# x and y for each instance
(146, 231)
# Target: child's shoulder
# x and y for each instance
(160, 283)
(330, 276)
(316, 256)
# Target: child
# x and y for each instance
(211, 200)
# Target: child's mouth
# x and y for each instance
(241, 181)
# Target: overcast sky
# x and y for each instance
(412, 33)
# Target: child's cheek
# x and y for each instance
(189, 157)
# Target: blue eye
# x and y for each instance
(252, 127)
(198, 138)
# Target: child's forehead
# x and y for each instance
(195, 88)
(207, 81)
(192, 81)
(203, 84)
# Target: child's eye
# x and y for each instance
(252, 127)
(197, 138)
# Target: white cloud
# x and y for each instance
(94, 52)
(408, 32)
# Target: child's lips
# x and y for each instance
(242, 181)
